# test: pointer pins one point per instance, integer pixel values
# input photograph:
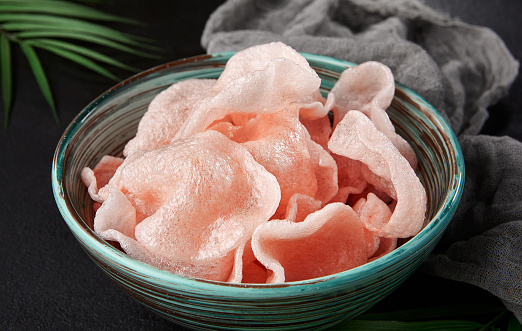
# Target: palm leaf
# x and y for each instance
(79, 59)
(5, 71)
(99, 40)
(442, 312)
(39, 75)
(448, 325)
(17, 22)
(514, 324)
(58, 44)
(450, 317)
(54, 26)
(62, 8)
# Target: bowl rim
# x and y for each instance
(94, 242)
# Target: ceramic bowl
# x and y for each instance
(105, 126)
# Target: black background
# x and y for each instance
(46, 281)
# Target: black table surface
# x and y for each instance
(47, 282)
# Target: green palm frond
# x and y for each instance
(39, 75)
(63, 8)
(472, 317)
(56, 26)
(6, 76)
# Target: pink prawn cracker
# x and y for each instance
(244, 179)
(357, 138)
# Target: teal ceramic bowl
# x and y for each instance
(106, 124)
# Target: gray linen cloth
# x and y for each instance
(459, 68)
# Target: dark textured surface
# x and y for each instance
(47, 281)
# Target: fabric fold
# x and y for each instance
(460, 69)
